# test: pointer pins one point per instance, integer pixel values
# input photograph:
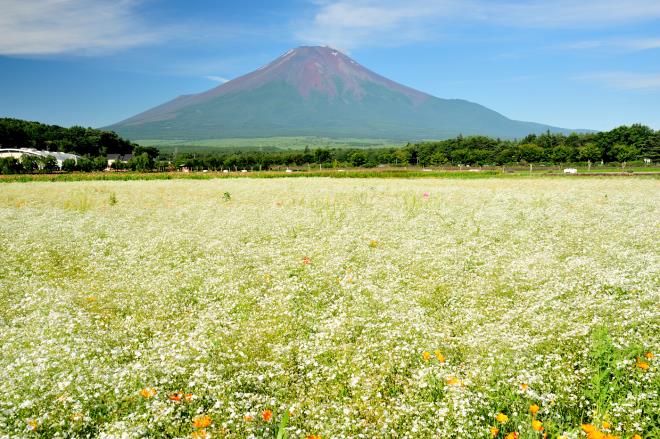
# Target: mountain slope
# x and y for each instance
(318, 91)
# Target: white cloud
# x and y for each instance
(354, 23)
(217, 79)
(345, 24)
(573, 13)
(628, 44)
(626, 81)
(44, 27)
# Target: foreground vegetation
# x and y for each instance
(379, 308)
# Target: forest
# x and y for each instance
(620, 145)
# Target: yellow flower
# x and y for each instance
(439, 356)
(534, 409)
(494, 431)
(202, 421)
(248, 418)
(524, 387)
(512, 435)
(148, 392)
(588, 428)
(642, 364)
(636, 437)
(32, 424)
(426, 356)
(537, 425)
(453, 381)
(199, 434)
(649, 356)
(373, 243)
(606, 425)
(502, 418)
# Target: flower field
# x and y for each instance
(332, 308)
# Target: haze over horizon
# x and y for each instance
(578, 64)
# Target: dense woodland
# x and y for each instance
(623, 144)
(620, 145)
(16, 133)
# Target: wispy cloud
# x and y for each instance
(354, 23)
(626, 80)
(624, 44)
(346, 24)
(572, 13)
(217, 79)
(46, 27)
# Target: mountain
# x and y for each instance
(319, 91)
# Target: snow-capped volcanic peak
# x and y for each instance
(313, 69)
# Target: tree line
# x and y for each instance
(16, 133)
(620, 145)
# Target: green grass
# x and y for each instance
(332, 173)
(264, 143)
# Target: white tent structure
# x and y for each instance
(20, 152)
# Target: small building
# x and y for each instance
(121, 158)
(17, 153)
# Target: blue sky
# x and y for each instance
(576, 64)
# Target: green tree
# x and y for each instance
(49, 163)
(590, 152)
(29, 163)
(531, 153)
(563, 154)
(143, 163)
(322, 156)
(69, 165)
(624, 153)
(9, 165)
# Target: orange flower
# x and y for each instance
(189, 397)
(606, 425)
(502, 418)
(537, 425)
(148, 392)
(426, 355)
(512, 435)
(175, 397)
(313, 436)
(202, 421)
(636, 437)
(199, 434)
(306, 260)
(642, 364)
(524, 387)
(593, 433)
(453, 381)
(267, 415)
(248, 418)
(534, 409)
(439, 356)
(649, 355)
(494, 431)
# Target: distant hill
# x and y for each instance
(319, 91)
